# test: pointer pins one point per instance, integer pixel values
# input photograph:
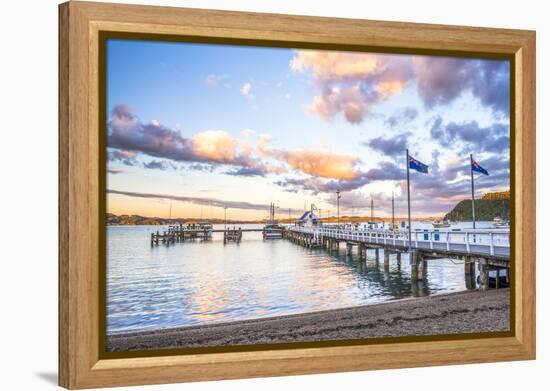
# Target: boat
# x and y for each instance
(498, 223)
(272, 229)
(441, 223)
(444, 223)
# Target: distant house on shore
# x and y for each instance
(308, 219)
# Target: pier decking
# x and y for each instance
(494, 244)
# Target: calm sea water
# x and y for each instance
(195, 283)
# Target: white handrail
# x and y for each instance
(473, 241)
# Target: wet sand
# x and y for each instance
(462, 312)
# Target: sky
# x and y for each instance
(207, 131)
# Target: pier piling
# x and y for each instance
(470, 272)
(483, 274)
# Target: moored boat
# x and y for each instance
(272, 229)
(441, 224)
(498, 223)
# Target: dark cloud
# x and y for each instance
(492, 85)
(128, 158)
(204, 167)
(496, 163)
(402, 117)
(471, 137)
(442, 80)
(197, 200)
(392, 146)
(157, 165)
(127, 132)
(114, 171)
(246, 171)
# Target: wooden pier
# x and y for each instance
(489, 249)
(181, 233)
(232, 235)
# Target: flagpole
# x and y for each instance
(409, 203)
(392, 212)
(473, 197)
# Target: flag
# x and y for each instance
(477, 168)
(418, 166)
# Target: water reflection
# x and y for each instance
(200, 283)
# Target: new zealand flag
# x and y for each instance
(477, 168)
(418, 166)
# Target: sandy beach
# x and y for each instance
(462, 312)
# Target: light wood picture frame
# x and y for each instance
(81, 275)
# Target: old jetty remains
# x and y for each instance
(202, 232)
(181, 233)
(232, 235)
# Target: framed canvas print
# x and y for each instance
(247, 195)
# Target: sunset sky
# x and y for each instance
(201, 127)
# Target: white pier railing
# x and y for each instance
(475, 242)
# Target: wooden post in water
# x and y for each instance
(386, 260)
(470, 272)
(414, 265)
(483, 275)
(360, 249)
(422, 267)
(398, 258)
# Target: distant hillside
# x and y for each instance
(487, 208)
(137, 220)
(113, 219)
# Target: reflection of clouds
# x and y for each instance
(328, 280)
(210, 302)
(204, 283)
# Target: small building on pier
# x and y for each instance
(308, 219)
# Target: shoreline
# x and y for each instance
(452, 313)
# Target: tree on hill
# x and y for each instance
(486, 210)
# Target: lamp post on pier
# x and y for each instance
(338, 207)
